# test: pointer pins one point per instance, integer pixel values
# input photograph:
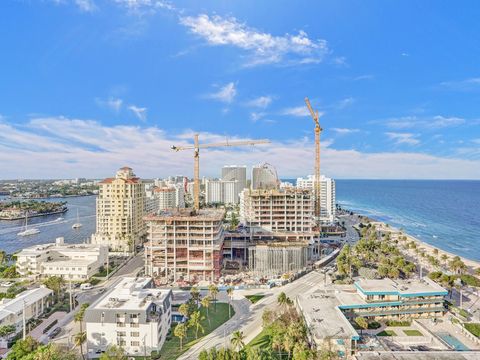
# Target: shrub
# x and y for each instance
(474, 328)
(470, 280)
(398, 323)
(374, 325)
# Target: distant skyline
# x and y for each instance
(88, 86)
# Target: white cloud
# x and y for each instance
(226, 93)
(345, 131)
(255, 116)
(59, 147)
(145, 5)
(342, 104)
(86, 5)
(261, 47)
(260, 102)
(111, 103)
(435, 122)
(462, 85)
(140, 112)
(297, 111)
(403, 138)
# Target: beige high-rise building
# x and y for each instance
(120, 211)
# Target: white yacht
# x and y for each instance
(77, 225)
(27, 231)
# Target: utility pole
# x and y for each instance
(24, 322)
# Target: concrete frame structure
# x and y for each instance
(131, 314)
(120, 211)
(75, 262)
(184, 244)
(274, 259)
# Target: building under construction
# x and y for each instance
(184, 245)
(273, 259)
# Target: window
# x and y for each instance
(120, 324)
(121, 333)
(135, 343)
(121, 342)
(134, 325)
(135, 334)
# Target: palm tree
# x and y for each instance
(184, 309)
(282, 299)
(79, 340)
(205, 302)
(55, 283)
(213, 293)
(180, 332)
(277, 344)
(237, 340)
(230, 296)
(444, 258)
(195, 322)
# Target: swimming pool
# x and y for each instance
(453, 341)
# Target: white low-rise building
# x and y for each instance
(131, 314)
(76, 262)
(32, 303)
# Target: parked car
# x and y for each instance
(55, 332)
(86, 286)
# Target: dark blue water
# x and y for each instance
(51, 229)
(445, 214)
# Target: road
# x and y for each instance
(248, 317)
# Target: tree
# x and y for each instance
(195, 322)
(180, 331)
(277, 343)
(79, 339)
(283, 300)
(362, 323)
(205, 302)
(56, 284)
(233, 221)
(184, 309)
(230, 296)
(237, 340)
(22, 348)
(213, 290)
(477, 271)
(51, 352)
(7, 330)
(114, 352)
(444, 258)
(195, 294)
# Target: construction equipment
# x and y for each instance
(196, 169)
(316, 184)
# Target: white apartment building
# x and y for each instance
(130, 314)
(120, 210)
(220, 191)
(264, 176)
(327, 195)
(168, 197)
(31, 302)
(75, 262)
(238, 174)
(287, 211)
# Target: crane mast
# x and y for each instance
(316, 183)
(196, 156)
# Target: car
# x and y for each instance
(86, 286)
(7, 284)
(55, 332)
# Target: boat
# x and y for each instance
(77, 225)
(59, 219)
(27, 231)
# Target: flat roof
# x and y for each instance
(27, 297)
(323, 317)
(34, 249)
(187, 214)
(130, 294)
(409, 287)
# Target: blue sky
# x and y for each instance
(87, 86)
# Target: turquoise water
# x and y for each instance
(453, 342)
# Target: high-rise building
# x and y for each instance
(220, 191)
(169, 197)
(120, 211)
(264, 176)
(327, 195)
(237, 174)
(183, 244)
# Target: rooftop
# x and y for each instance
(130, 294)
(187, 214)
(27, 298)
(400, 287)
(58, 246)
(320, 309)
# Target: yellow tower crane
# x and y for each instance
(316, 184)
(196, 154)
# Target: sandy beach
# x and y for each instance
(471, 264)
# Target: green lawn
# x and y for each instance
(171, 348)
(262, 340)
(254, 298)
(474, 328)
(387, 333)
(412, 332)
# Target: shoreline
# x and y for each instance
(62, 211)
(470, 263)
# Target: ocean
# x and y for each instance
(51, 228)
(445, 214)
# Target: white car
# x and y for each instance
(86, 286)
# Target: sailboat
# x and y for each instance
(27, 231)
(77, 225)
